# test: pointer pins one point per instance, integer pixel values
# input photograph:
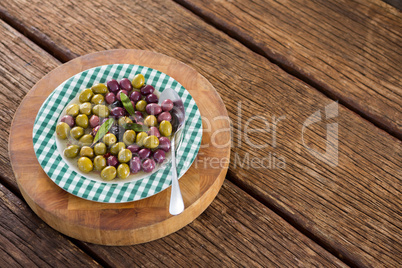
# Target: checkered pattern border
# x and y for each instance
(59, 171)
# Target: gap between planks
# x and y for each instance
(63, 54)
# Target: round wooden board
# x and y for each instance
(134, 222)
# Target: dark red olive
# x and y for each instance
(154, 131)
(135, 164)
(134, 148)
(159, 156)
(144, 153)
(94, 121)
(139, 116)
(112, 161)
(110, 98)
(147, 89)
(164, 144)
(69, 120)
(151, 98)
(164, 116)
(125, 84)
(148, 165)
(167, 105)
(135, 96)
(113, 86)
(153, 108)
(117, 112)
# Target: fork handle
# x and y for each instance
(176, 205)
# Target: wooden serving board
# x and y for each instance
(134, 222)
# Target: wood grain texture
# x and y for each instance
(350, 49)
(22, 64)
(235, 229)
(128, 223)
(26, 241)
(351, 209)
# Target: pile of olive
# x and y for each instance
(120, 151)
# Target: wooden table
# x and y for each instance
(279, 61)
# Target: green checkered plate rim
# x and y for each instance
(59, 171)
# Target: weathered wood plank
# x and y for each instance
(236, 228)
(351, 49)
(234, 231)
(22, 64)
(26, 241)
(349, 208)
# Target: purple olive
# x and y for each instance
(117, 112)
(151, 98)
(167, 105)
(147, 89)
(154, 131)
(153, 108)
(144, 153)
(110, 98)
(94, 121)
(164, 116)
(139, 116)
(148, 165)
(135, 96)
(118, 94)
(164, 144)
(125, 84)
(135, 164)
(95, 130)
(113, 86)
(134, 148)
(69, 120)
(159, 156)
(112, 161)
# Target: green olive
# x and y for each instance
(124, 156)
(62, 130)
(73, 110)
(151, 142)
(129, 137)
(140, 138)
(87, 139)
(99, 89)
(86, 95)
(123, 170)
(165, 128)
(124, 120)
(99, 163)
(72, 151)
(140, 105)
(87, 151)
(101, 110)
(85, 108)
(117, 147)
(108, 173)
(85, 164)
(98, 99)
(151, 121)
(76, 132)
(82, 120)
(138, 81)
(109, 139)
(100, 148)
